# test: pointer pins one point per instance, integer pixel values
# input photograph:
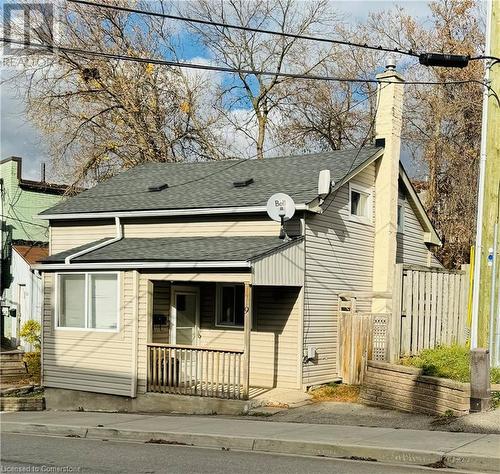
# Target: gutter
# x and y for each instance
(165, 212)
(142, 265)
(119, 236)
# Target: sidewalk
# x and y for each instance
(467, 451)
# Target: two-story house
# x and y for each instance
(23, 240)
(170, 279)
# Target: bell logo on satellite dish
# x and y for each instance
(281, 208)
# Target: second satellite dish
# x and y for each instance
(280, 207)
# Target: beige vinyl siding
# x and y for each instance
(274, 352)
(339, 257)
(69, 234)
(284, 267)
(89, 360)
(411, 248)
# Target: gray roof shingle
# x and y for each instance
(211, 183)
(176, 249)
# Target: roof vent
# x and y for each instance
(243, 183)
(380, 142)
(157, 187)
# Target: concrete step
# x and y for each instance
(7, 364)
(10, 377)
(11, 356)
(13, 371)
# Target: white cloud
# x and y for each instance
(18, 137)
(21, 138)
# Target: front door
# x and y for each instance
(185, 313)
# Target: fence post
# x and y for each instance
(479, 380)
(394, 326)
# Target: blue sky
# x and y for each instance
(20, 138)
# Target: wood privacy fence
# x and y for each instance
(430, 308)
(363, 337)
(192, 370)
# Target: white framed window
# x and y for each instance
(87, 301)
(401, 217)
(230, 305)
(360, 204)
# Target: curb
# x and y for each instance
(276, 446)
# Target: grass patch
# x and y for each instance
(449, 362)
(336, 392)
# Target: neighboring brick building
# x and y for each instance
(21, 200)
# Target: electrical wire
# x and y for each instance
(205, 67)
(246, 28)
(238, 162)
(363, 144)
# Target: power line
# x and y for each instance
(236, 163)
(363, 143)
(22, 221)
(407, 52)
(186, 65)
(247, 28)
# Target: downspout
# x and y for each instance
(119, 236)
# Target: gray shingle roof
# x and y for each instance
(175, 249)
(212, 183)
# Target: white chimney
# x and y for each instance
(388, 124)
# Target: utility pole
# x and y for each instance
(485, 297)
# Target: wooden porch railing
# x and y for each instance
(193, 370)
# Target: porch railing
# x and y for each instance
(193, 370)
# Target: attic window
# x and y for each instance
(243, 183)
(360, 204)
(157, 187)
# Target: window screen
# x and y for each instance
(72, 301)
(103, 301)
(88, 301)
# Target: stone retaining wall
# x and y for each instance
(22, 404)
(405, 388)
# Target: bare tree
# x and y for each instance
(330, 115)
(442, 123)
(102, 115)
(260, 52)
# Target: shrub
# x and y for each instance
(33, 364)
(30, 332)
(495, 375)
(450, 362)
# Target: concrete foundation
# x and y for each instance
(77, 400)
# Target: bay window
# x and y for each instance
(87, 301)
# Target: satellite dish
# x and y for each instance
(280, 207)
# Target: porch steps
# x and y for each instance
(12, 366)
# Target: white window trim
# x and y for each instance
(401, 225)
(87, 279)
(218, 302)
(369, 204)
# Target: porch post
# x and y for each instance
(247, 327)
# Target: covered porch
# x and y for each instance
(226, 339)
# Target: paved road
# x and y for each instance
(28, 453)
